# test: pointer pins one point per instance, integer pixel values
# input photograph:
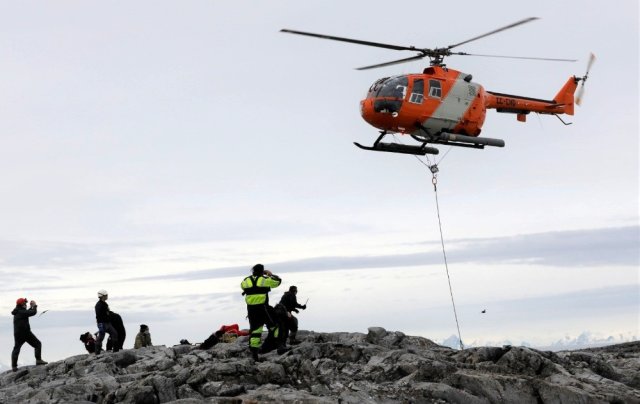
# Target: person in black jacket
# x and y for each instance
(118, 325)
(22, 332)
(104, 322)
(290, 302)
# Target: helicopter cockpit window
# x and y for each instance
(417, 94)
(375, 87)
(395, 87)
(435, 90)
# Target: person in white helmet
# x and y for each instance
(104, 323)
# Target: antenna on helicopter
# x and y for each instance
(592, 58)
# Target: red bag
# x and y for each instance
(232, 329)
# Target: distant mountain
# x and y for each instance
(588, 340)
(585, 340)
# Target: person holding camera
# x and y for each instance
(255, 289)
(22, 332)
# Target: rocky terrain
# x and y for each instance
(377, 367)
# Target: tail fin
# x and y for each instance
(565, 95)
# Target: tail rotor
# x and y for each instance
(584, 78)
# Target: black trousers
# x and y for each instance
(292, 326)
(260, 315)
(30, 339)
(108, 329)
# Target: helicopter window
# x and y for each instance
(435, 90)
(417, 94)
(375, 87)
(395, 87)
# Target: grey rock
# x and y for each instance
(231, 391)
(164, 388)
(375, 334)
(124, 358)
(211, 388)
(186, 401)
(140, 394)
(186, 392)
(377, 367)
(268, 372)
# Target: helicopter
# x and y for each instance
(443, 106)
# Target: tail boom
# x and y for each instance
(562, 103)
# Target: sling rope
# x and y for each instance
(434, 180)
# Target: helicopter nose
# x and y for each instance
(380, 113)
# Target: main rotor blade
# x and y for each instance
(394, 62)
(356, 41)
(515, 24)
(513, 57)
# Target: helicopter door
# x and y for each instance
(417, 93)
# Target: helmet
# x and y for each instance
(21, 301)
(102, 292)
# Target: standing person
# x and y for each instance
(118, 325)
(290, 302)
(104, 323)
(22, 332)
(256, 290)
(143, 338)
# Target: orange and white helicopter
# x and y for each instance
(443, 106)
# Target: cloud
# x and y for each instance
(60, 255)
(576, 248)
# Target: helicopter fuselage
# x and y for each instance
(442, 100)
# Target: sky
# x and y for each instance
(160, 149)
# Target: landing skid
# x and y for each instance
(442, 138)
(421, 150)
(400, 148)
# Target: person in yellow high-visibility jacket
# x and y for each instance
(256, 291)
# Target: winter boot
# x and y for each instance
(41, 362)
(254, 354)
(292, 338)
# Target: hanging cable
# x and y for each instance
(434, 180)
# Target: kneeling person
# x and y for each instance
(290, 302)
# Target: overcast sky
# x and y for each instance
(159, 149)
